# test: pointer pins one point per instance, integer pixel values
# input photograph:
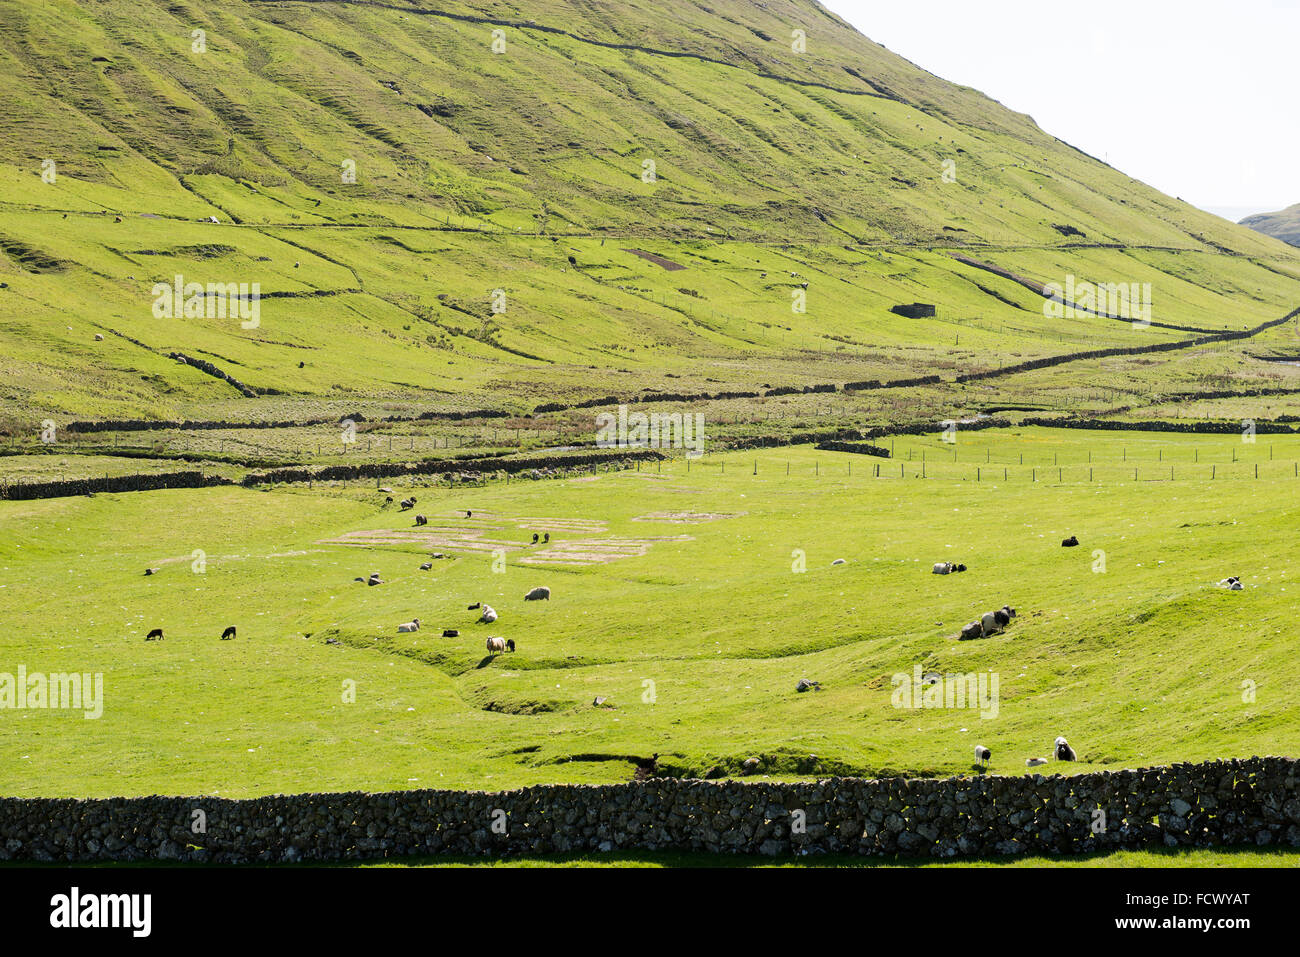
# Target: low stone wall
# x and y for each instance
(1249, 801)
(21, 491)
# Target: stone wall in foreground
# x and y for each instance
(1248, 801)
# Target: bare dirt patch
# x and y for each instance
(687, 518)
(482, 534)
(596, 551)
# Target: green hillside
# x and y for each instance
(503, 239)
(1283, 225)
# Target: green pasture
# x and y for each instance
(691, 601)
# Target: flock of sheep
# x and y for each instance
(1061, 751)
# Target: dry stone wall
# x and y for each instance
(1229, 802)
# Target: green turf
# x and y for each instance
(522, 172)
(696, 636)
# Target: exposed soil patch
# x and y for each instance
(484, 535)
(687, 518)
(657, 260)
(596, 551)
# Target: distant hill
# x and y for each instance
(1283, 225)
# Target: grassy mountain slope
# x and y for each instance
(522, 171)
(1283, 225)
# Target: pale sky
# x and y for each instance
(1198, 98)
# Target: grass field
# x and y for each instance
(677, 596)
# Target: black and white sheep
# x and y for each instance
(1064, 752)
(421, 520)
(982, 755)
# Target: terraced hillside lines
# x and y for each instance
(479, 172)
(695, 644)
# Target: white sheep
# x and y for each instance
(489, 615)
(412, 625)
(541, 593)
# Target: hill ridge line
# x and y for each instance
(875, 92)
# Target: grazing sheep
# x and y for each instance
(1064, 752)
(1002, 618)
(408, 503)
(489, 615)
(546, 538)
(421, 520)
(1011, 612)
(472, 607)
(412, 625)
(941, 568)
(426, 566)
(498, 645)
(450, 633)
(806, 685)
(541, 593)
(374, 579)
(989, 625)
(156, 633)
(1034, 762)
(972, 631)
(228, 633)
(468, 513)
(1070, 542)
(982, 755)
(536, 537)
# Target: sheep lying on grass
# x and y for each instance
(412, 625)
(489, 615)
